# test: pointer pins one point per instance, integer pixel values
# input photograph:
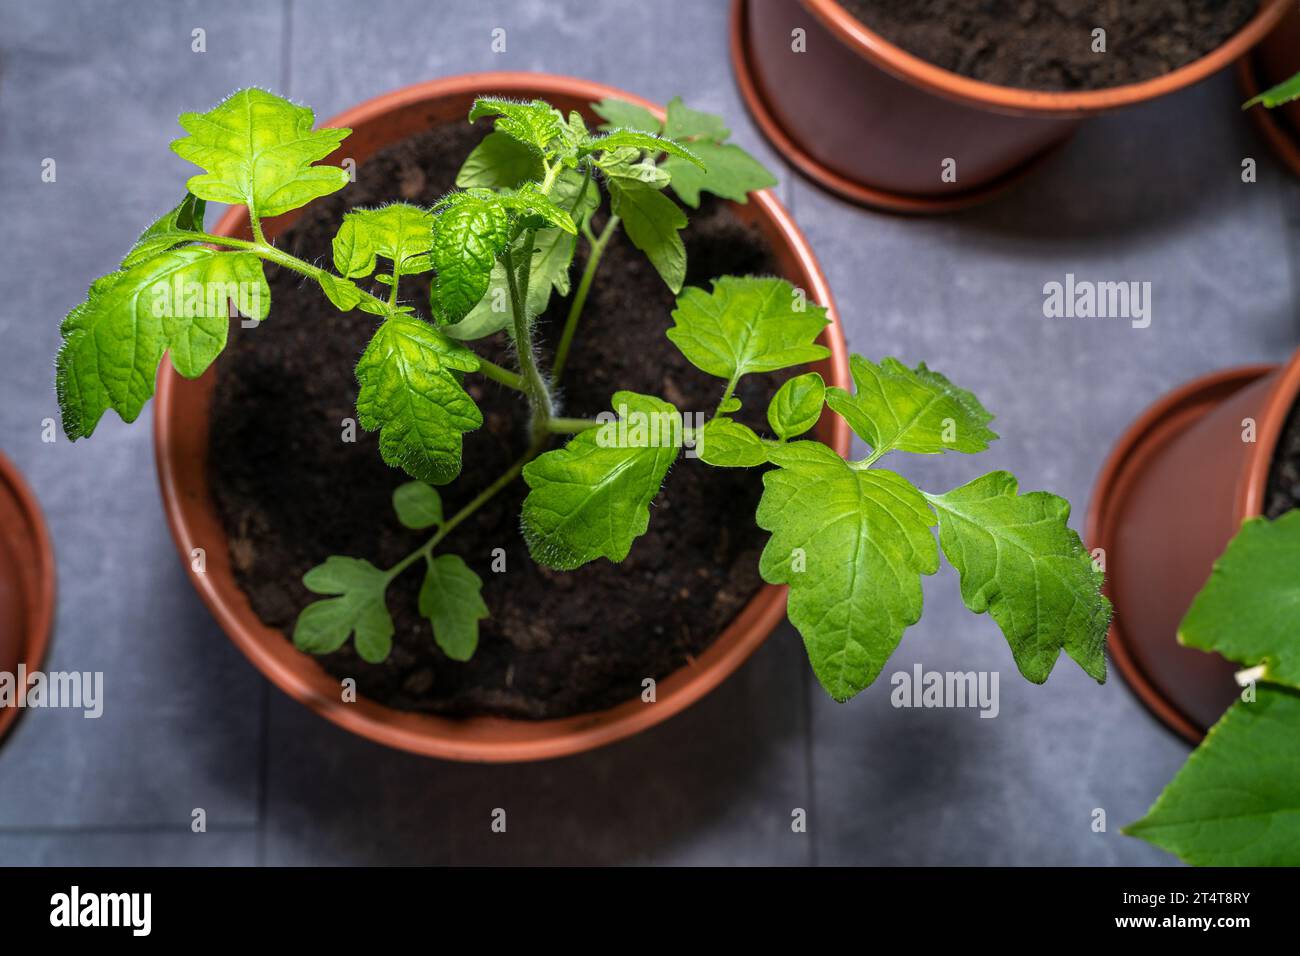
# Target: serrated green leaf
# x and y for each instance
(632, 164)
(1236, 802)
(1285, 92)
(797, 405)
(469, 233)
(411, 391)
(399, 232)
(258, 150)
(852, 544)
(417, 505)
(531, 204)
(177, 301)
(175, 228)
(451, 598)
(591, 498)
(649, 142)
(724, 443)
(684, 123)
(747, 325)
(728, 171)
(324, 626)
(535, 124)
(620, 114)
(1249, 610)
(499, 162)
(1021, 563)
(895, 408)
(653, 223)
(343, 294)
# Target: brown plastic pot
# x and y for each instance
(1172, 494)
(181, 448)
(1277, 58)
(873, 123)
(26, 581)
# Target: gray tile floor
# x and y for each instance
(1151, 194)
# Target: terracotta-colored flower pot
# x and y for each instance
(874, 123)
(1277, 58)
(1176, 488)
(181, 445)
(26, 581)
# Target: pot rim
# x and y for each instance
(480, 739)
(1252, 486)
(1273, 127)
(906, 66)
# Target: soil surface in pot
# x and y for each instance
(1284, 479)
(1048, 44)
(291, 492)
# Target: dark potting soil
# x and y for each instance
(291, 492)
(1048, 44)
(1284, 478)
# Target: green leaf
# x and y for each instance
(729, 405)
(724, 443)
(797, 405)
(653, 222)
(685, 123)
(343, 294)
(411, 390)
(537, 209)
(178, 301)
(649, 142)
(747, 325)
(258, 150)
(534, 124)
(620, 114)
(1236, 802)
(631, 164)
(451, 598)
(728, 171)
(1279, 95)
(895, 408)
(591, 498)
(324, 626)
(417, 505)
(400, 232)
(469, 233)
(1249, 610)
(852, 544)
(175, 228)
(499, 162)
(1020, 562)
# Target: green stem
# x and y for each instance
(731, 388)
(570, 426)
(500, 375)
(595, 251)
(539, 396)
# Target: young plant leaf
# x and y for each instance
(688, 125)
(1020, 562)
(653, 223)
(538, 210)
(1285, 92)
(258, 150)
(648, 142)
(471, 230)
(1249, 610)
(534, 124)
(411, 391)
(400, 232)
(417, 505)
(895, 408)
(1236, 802)
(724, 443)
(620, 114)
(797, 405)
(499, 162)
(747, 325)
(727, 171)
(591, 498)
(175, 228)
(852, 544)
(451, 598)
(343, 294)
(632, 164)
(359, 608)
(176, 301)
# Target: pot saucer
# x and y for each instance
(855, 191)
(1187, 689)
(26, 580)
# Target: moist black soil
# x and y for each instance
(1048, 44)
(291, 492)
(1284, 479)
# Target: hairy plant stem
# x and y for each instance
(539, 396)
(596, 249)
(570, 426)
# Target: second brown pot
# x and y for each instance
(1172, 494)
(874, 123)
